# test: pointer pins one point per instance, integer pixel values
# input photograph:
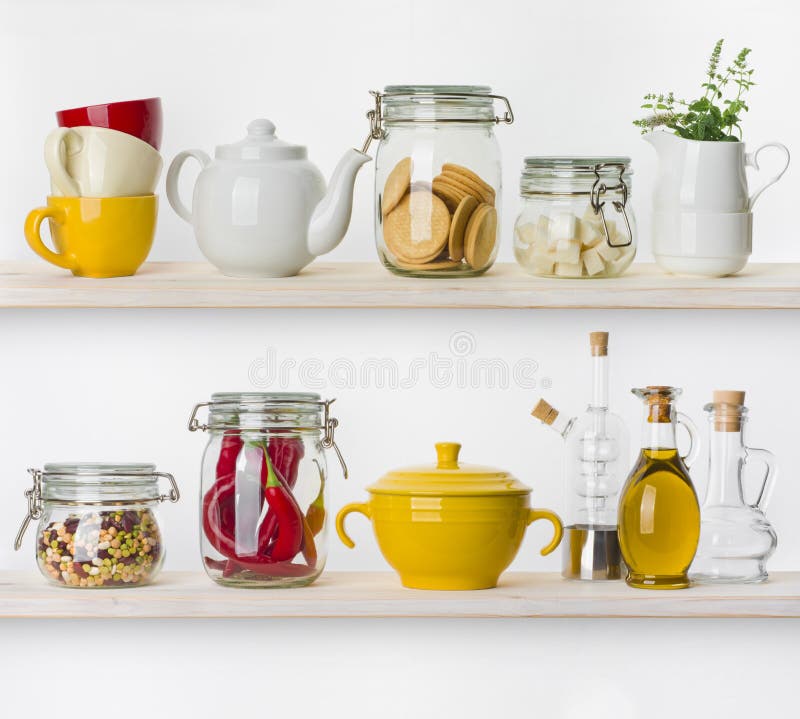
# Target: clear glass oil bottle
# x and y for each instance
(595, 462)
(659, 515)
(736, 538)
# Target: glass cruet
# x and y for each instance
(595, 464)
(735, 537)
(659, 515)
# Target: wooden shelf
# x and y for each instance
(364, 594)
(367, 285)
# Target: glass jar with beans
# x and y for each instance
(97, 524)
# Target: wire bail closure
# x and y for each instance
(328, 426)
(36, 503)
(600, 188)
(35, 507)
(375, 116)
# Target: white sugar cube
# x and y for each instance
(588, 234)
(592, 261)
(592, 218)
(542, 264)
(526, 234)
(563, 227)
(543, 233)
(565, 269)
(608, 253)
(568, 251)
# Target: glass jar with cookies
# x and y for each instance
(576, 219)
(437, 178)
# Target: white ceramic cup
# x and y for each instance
(711, 244)
(98, 162)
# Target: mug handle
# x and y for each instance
(359, 507)
(555, 520)
(55, 165)
(172, 180)
(751, 160)
(33, 224)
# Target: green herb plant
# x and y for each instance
(713, 116)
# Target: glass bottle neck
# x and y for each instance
(657, 432)
(562, 424)
(725, 459)
(600, 381)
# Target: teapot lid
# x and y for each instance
(449, 477)
(260, 144)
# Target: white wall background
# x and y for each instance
(111, 385)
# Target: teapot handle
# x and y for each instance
(767, 485)
(694, 440)
(172, 180)
(751, 160)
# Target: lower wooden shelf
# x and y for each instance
(184, 595)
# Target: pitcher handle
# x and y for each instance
(694, 439)
(555, 520)
(768, 483)
(751, 160)
(361, 508)
(174, 172)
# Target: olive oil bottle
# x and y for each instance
(659, 515)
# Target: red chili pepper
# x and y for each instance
(285, 453)
(219, 502)
(282, 503)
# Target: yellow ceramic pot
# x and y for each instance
(449, 525)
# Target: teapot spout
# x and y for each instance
(660, 140)
(331, 217)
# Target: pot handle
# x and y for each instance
(555, 520)
(361, 508)
(172, 180)
(751, 160)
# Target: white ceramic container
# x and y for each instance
(98, 162)
(702, 205)
(260, 208)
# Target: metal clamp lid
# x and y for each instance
(376, 118)
(36, 503)
(328, 426)
(600, 188)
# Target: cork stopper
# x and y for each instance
(728, 410)
(659, 401)
(544, 412)
(598, 342)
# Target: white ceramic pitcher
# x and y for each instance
(702, 205)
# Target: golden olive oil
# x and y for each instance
(659, 521)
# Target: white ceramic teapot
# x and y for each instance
(260, 208)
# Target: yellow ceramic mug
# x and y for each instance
(95, 236)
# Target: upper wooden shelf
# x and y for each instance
(365, 594)
(366, 285)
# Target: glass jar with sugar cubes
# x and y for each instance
(576, 219)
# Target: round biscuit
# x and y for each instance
(458, 226)
(480, 237)
(396, 185)
(469, 185)
(418, 228)
(466, 172)
(448, 192)
(435, 265)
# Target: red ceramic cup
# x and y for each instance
(140, 118)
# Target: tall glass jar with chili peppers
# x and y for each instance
(263, 497)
